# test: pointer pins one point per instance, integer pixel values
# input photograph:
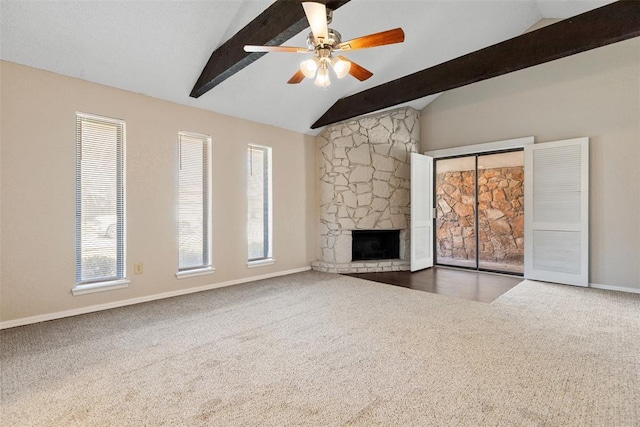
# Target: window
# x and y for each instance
(100, 203)
(194, 208)
(259, 205)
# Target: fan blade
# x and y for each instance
(357, 71)
(317, 17)
(296, 78)
(372, 40)
(287, 49)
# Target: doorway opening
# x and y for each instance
(479, 205)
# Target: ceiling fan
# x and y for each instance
(323, 41)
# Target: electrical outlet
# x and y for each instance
(138, 268)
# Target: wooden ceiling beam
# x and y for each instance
(277, 24)
(599, 27)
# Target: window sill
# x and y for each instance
(194, 273)
(261, 262)
(91, 288)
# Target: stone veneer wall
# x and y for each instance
(365, 185)
(500, 210)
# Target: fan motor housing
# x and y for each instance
(333, 40)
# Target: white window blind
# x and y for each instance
(259, 202)
(194, 213)
(100, 199)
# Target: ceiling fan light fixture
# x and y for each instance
(322, 78)
(323, 42)
(309, 67)
(340, 67)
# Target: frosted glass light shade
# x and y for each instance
(340, 67)
(309, 67)
(322, 79)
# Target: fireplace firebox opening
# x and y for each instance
(375, 244)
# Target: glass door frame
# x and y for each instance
(476, 216)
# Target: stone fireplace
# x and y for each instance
(365, 184)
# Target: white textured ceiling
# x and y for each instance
(158, 48)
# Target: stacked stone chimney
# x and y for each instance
(365, 184)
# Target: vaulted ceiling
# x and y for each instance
(159, 48)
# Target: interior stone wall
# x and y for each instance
(365, 185)
(500, 215)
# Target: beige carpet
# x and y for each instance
(320, 349)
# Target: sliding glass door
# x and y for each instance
(455, 202)
(501, 212)
(479, 202)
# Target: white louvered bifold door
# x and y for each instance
(421, 212)
(557, 212)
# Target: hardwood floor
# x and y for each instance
(472, 285)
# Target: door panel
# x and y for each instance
(557, 212)
(421, 212)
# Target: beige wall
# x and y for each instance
(38, 165)
(594, 94)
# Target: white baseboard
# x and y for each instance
(84, 310)
(615, 288)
